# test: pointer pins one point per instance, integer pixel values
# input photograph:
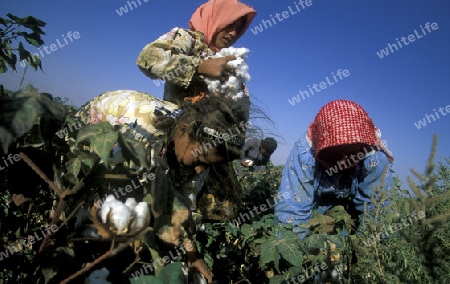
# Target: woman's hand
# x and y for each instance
(196, 264)
(247, 163)
(216, 67)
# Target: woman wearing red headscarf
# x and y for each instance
(338, 162)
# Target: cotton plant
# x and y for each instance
(232, 88)
(125, 218)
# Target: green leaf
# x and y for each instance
(6, 138)
(315, 243)
(57, 110)
(9, 57)
(87, 162)
(269, 252)
(289, 250)
(277, 279)
(14, 18)
(48, 273)
(18, 115)
(101, 137)
(337, 240)
(148, 279)
(32, 22)
(34, 39)
(4, 21)
(134, 150)
(171, 273)
(248, 232)
(73, 167)
(3, 67)
(23, 53)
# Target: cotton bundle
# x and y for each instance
(232, 88)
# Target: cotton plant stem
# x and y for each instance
(74, 190)
(55, 220)
(88, 267)
(57, 176)
(243, 280)
(40, 173)
(61, 202)
(104, 256)
(71, 215)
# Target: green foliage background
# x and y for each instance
(13, 30)
(252, 250)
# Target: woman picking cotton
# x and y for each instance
(182, 58)
(155, 136)
(338, 162)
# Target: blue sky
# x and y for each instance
(299, 50)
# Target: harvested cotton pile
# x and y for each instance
(233, 87)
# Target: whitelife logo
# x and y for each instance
(323, 85)
(411, 38)
(51, 48)
(265, 24)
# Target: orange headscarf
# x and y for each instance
(215, 15)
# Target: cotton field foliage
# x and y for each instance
(232, 88)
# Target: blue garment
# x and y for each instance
(309, 186)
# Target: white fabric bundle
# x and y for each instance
(232, 88)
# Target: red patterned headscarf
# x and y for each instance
(344, 122)
(215, 15)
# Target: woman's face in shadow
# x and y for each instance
(344, 154)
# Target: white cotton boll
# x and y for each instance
(232, 81)
(142, 215)
(239, 95)
(214, 85)
(120, 216)
(109, 198)
(98, 277)
(233, 87)
(236, 51)
(106, 207)
(131, 203)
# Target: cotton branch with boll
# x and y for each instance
(233, 87)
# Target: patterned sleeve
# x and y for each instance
(297, 185)
(376, 169)
(170, 58)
